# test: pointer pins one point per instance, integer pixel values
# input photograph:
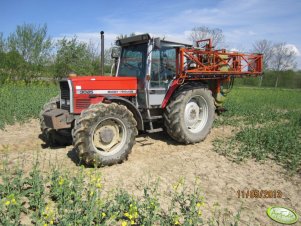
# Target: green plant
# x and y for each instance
(20, 102)
(268, 125)
(61, 198)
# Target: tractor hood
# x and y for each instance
(104, 85)
(83, 91)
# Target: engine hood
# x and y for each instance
(104, 85)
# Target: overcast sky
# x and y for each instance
(242, 21)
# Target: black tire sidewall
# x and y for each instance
(83, 138)
(175, 124)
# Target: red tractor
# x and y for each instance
(157, 85)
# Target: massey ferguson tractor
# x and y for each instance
(156, 85)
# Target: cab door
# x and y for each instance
(163, 70)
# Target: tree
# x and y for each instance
(31, 42)
(75, 56)
(264, 47)
(12, 66)
(203, 32)
(2, 42)
(284, 57)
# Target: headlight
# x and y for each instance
(63, 101)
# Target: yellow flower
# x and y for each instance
(98, 185)
(7, 203)
(175, 187)
(126, 214)
(136, 214)
(198, 204)
(45, 224)
(91, 193)
(124, 223)
(88, 173)
(103, 214)
(13, 201)
(132, 222)
(200, 213)
(51, 222)
(61, 181)
(176, 220)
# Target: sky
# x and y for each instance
(242, 21)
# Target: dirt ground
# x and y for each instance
(157, 156)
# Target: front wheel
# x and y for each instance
(189, 116)
(104, 134)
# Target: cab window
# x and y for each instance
(163, 67)
(132, 61)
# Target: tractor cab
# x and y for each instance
(152, 61)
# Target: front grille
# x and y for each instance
(82, 103)
(65, 94)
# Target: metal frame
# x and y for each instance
(209, 63)
(71, 96)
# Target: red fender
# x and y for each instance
(174, 85)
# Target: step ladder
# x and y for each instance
(150, 119)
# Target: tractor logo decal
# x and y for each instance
(282, 215)
(106, 91)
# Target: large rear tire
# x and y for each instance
(104, 134)
(51, 136)
(189, 116)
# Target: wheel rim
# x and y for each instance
(109, 136)
(196, 114)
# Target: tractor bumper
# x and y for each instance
(57, 119)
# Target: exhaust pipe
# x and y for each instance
(102, 53)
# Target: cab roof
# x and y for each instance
(144, 38)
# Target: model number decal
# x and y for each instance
(106, 91)
(85, 92)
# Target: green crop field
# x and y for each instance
(268, 122)
(20, 102)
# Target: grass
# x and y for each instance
(269, 125)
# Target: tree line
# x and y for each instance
(29, 54)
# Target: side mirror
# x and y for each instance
(115, 53)
(157, 43)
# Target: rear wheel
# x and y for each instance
(51, 136)
(189, 115)
(104, 134)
